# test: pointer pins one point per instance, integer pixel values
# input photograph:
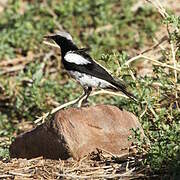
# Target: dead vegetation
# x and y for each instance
(98, 165)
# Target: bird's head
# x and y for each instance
(64, 40)
(60, 37)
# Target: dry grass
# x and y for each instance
(98, 165)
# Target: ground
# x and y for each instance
(96, 166)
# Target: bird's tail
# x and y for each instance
(130, 95)
(122, 87)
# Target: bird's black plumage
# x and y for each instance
(92, 69)
(81, 66)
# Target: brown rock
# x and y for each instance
(77, 132)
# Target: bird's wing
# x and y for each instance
(83, 50)
(76, 58)
(82, 62)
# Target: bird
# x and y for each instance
(84, 69)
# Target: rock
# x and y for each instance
(77, 132)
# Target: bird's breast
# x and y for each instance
(89, 81)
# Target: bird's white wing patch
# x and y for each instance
(76, 58)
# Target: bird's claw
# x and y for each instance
(83, 103)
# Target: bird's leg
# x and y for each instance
(67, 104)
(82, 100)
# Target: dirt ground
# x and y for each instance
(98, 165)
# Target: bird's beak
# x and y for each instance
(48, 37)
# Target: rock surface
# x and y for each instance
(77, 132)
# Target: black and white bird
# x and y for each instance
(84, 69)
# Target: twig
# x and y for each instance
(125, 155)
(89, 168)
(25, 168)
(35, 159)
(132, 75)
(159, 7)
(127, 166)
(44, 116)
(142, 114)
(93, 173)
(160, 45)
(164, 38)
(19, 60)
(11, 69)
(154, 61)
(108, 152)
(153, 112)
(8, 66)
(6, 176)
(41, 118)
(122, 156)
(73, 176)
(63, 106)
(93, 94)
(19, 174)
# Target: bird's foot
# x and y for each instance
(83, 103)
